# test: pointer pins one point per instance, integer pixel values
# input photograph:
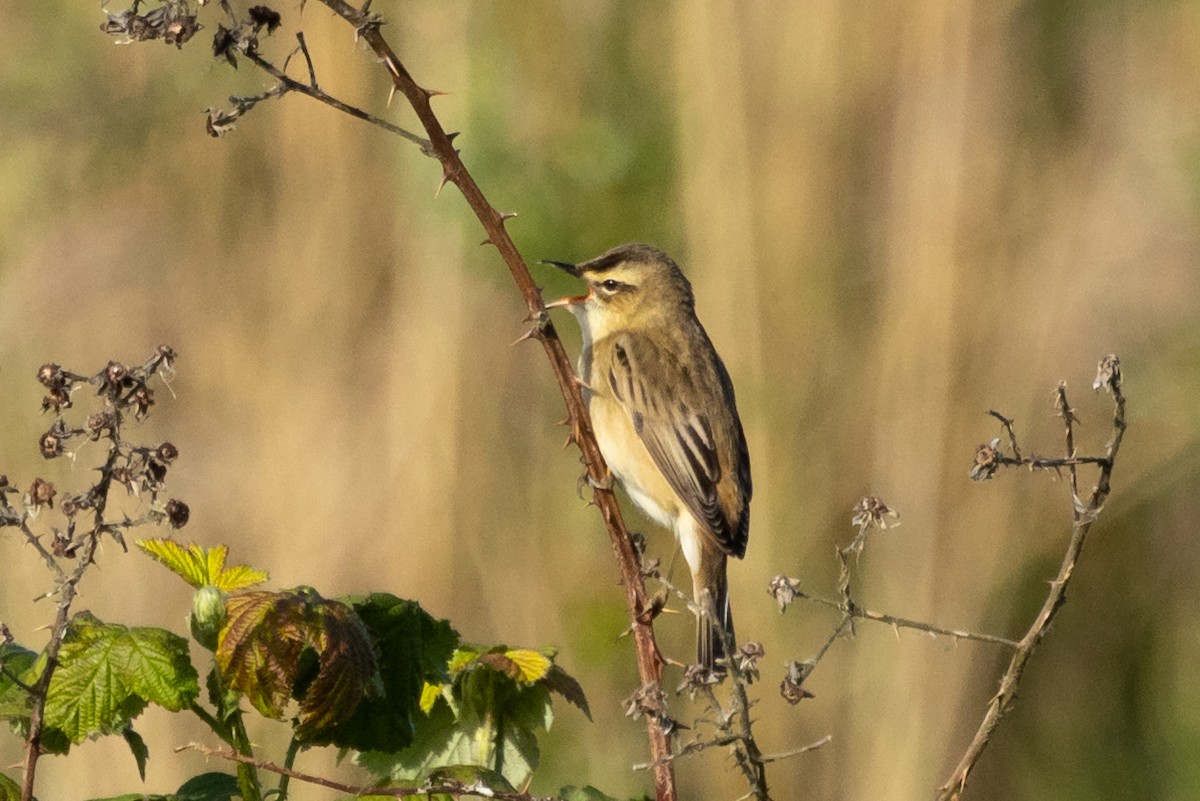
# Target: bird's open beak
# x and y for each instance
(567, 302)
(566, 267)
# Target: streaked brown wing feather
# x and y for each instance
(679, 437)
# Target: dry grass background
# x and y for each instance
(896, 217)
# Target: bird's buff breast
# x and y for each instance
(630, 461)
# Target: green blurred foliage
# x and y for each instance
(895, 218)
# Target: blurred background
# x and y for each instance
(896, 216)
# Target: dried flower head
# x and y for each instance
(1108, 374)
(142, 399)
(51, 376)
(696, 678)
(64, 544)
(791, 688)
(747, 660)
(987, 460)
(51, 444)
(69, 505)
(647, 700)
(784, 590)
(225, 42)
(56, 400)
(219, 122)
(180, 30)
(872, 512)
(177, 513)
(128, 478)
(262, 16)
(41, 493)
(101, 424)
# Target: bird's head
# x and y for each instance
(630, 286)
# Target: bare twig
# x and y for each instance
(289, 84)
(804, 749)
(1083, 517)
(856, 611)
(1008, 427)
(441, 145)
(451, 788)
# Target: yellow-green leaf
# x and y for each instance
(239, 577)
(532, 665)
(429, 695)
(200, 566)
(189, 563)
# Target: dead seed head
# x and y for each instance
(987, 460)
(41, 493)
(784, 590)
(177, 513)
(1108, 374)
(791, 688)
(872, 512)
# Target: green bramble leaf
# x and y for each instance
(209, 787)
(137, 746)
(560, 681)
(495, 703)
(108, 673)
(15, 703)
(9, 790)
(200, 566)
(412, 648)
(280, 646)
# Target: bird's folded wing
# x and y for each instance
(664, 406)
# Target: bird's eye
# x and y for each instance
(611, 285)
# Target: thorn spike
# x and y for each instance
(532, 333)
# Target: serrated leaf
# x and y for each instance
(200, 566)
(137, 746)
(9, 790)
(531, 666)
(240, 577)
(270, 638)
(190, 562)
(18, 661)
(209, 787)
(412, 649)
(107, 674)
(559, 681)
(491, 723)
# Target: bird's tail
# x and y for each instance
(714, 622)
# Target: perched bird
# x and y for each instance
(663, 411)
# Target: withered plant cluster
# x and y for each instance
(91, 414)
